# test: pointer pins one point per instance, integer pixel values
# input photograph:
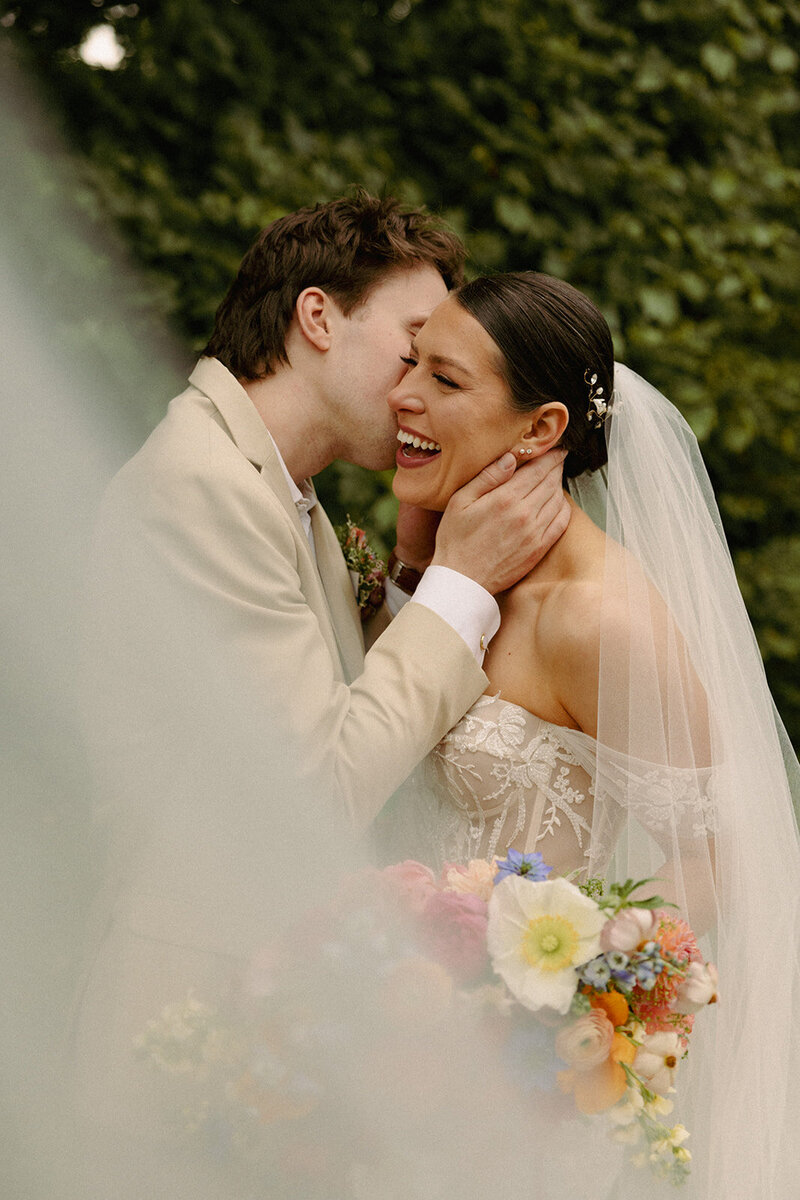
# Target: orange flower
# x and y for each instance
(602, 1086)
(613, 1004)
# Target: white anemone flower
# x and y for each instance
(538, 934)
(657, 1061)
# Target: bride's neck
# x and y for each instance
(574, 554)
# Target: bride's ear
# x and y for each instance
(546, 429)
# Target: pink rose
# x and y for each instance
(453, 930)
(697, 989)
(629, 929)
(586, 1042)
(413, 883)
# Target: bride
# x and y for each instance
(627, 729)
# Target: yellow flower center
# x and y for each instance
(550, 943)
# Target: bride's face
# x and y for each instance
(453, 398)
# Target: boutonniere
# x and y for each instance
(367, 570)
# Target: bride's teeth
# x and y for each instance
(410, 439)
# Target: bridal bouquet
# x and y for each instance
(541, 969)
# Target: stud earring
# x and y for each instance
(522, 451)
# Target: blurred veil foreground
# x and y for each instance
(102, 852)
(147, 864)
(210, 995)
(75, 390)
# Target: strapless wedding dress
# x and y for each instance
(504, 778)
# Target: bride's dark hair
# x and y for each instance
(548, 334)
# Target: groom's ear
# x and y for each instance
(313, 313)
(546, 429)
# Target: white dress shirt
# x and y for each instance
(466, 607)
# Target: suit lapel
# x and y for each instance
(327, 584)
(339, 592)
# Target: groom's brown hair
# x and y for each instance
(346, 247)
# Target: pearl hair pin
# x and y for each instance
(598, 404)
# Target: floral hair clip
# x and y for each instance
(598, 405)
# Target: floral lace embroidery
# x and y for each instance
(522, 778)
(667, 799)
(503, 777)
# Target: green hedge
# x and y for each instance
(644, 151)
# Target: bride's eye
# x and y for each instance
(408, 360)
(443, 379)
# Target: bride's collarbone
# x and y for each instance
(539, 623)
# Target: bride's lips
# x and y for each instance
(409, 456)
(414, 460)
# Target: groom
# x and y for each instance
(240, 731)
(217, 556)
(232, 707)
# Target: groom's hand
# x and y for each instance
(497, 527)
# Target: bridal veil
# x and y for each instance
(693, 780)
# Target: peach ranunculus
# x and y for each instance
(413, 883)
(604, 1085)
(476, 878)
(585, 1042)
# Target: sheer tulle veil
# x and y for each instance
(693, 781)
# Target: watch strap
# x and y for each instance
(406, 578)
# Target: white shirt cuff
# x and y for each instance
(395, 597)
(464, 604)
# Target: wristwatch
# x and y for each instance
(404, 576)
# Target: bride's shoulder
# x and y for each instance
(578, 617)
(579, 612)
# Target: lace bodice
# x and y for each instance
(503, 777)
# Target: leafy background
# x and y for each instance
(646, 151)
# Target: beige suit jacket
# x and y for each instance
(230, 691)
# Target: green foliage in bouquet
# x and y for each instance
(644, 151)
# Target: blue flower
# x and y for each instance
(596, 973)
(625, 980)
(649, 959)
(532, 866)
(617, 960)
(645, 976)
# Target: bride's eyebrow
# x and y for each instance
(441, 360)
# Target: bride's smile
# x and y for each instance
(454, 410)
